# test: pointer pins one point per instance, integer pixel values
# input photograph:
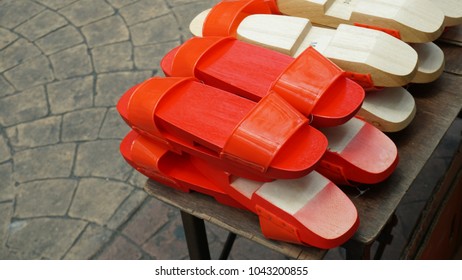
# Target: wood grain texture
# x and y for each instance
(452, 10)
(389, 61)
(416, 20)
(430, 62)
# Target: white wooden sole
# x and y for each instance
(417, 20)
(390, 109)
(390, 61)
(430, 63)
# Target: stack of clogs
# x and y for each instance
(265, 111)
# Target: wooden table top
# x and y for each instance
(438, 104)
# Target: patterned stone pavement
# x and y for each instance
(65, 191)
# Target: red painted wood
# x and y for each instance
(252, 72)
(198, 119)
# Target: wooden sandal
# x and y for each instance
(311, 83)
(310, 210)
(416, 21)
(357, 167)
(370, 57)
(264, 140)
(357, 153)
(389, 61)
(430, 64)
(283, 34)
(388, 109)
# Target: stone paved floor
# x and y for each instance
(65, 192)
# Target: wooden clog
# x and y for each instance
(292, 35)
(350, 169)
(310, 210)
(362, 52)
(359, 51)
(357, 153)
(430, 64)
(388, 109)
(416, 21)
(154, 160)
(266, 140)
(311, 83)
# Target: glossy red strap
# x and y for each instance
(364, 80)
(392, 32)
(146, 153)
(147, 156)
(306, 79)
(260, 135)
(188, 55)
(144, 101)
(225, 17)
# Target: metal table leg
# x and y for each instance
(196, 237)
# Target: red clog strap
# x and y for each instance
(334, 172)
(225, 17)
(143, 103)
(305, 80)
(393, 32)
(188, 55)
(146, 156)
(364, 80)
(260, 135)
(274, 227)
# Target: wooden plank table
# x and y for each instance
(438, 104)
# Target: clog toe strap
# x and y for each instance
(143, 104)
(306, 80)
(262, 133)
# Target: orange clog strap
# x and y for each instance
(261, 134)
(334, 172)
(189, 54)
(274, 227)
(144, 101)
(364, 80)
(146, 156)
(305, 80)
(225, 17)
(393, 32)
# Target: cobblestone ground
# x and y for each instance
(65, 191)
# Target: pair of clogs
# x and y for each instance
(210, 128)
(380, 61)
